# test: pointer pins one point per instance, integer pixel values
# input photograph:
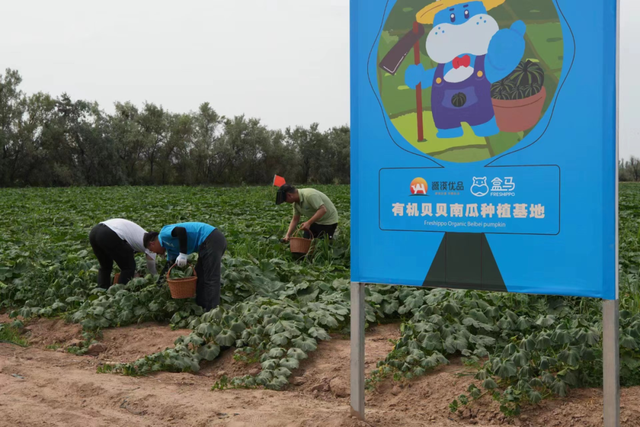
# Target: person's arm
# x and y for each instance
(292, 227)
(316, 216)
(180, 233)
(151, 265)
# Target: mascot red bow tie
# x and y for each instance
(464, 61)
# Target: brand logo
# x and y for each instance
(503, 187)
(479, 187)
(500, 187)
(419, 187)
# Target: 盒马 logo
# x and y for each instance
(479, 187)
(419, 187)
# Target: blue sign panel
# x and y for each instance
(484, 144)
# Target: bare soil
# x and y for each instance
(43, 385)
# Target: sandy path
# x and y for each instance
(40, 387)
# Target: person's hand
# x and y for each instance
(181, 261)
(306, 226)
(285, 239)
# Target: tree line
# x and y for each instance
(49, 141)
(629, 170)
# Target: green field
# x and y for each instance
(275, 310)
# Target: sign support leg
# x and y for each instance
(357, 349)
(611, 362)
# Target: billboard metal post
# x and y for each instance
(611, 363)
(357, 349)
(611, 308)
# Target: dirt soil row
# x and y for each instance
(43, 385)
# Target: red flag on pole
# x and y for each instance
(278, 181)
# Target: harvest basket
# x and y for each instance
(182, 288)
(299, 245)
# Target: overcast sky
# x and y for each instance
(283, 61)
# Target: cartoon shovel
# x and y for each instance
(392, 61)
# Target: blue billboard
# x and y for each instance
(483, 151)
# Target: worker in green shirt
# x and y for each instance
(313, 204)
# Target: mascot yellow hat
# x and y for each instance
(426, 15)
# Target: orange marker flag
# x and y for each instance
(278, 181)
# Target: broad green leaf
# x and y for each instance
(482, 340)
(282, 372)
(238, 327)
(296, 353)
(208, 330)
(226, 338)
(548, 378)
(209, 352)
(546, 321)
(280, 339)
(543, 342)
(269, 364)
(319, 333)
(520, 359)
(534, 397)
(628, 342)
(528, 344)
(506, 369)
(489, 384)
(290, 363)
(264, 376)
(559, 388)
(276, 352)
(451, 308)
(560, 336)
(305, 343)
(509, 350)
(419, 371)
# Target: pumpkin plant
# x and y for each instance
(181, 273)
(519, 348)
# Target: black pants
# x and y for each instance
(210, 255)
(318, 231)
(109, 247)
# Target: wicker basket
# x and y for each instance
(182, 288)
(299, 245)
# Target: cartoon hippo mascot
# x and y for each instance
(471, 53)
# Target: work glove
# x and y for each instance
(181, 261)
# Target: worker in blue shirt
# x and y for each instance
(180, 240)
